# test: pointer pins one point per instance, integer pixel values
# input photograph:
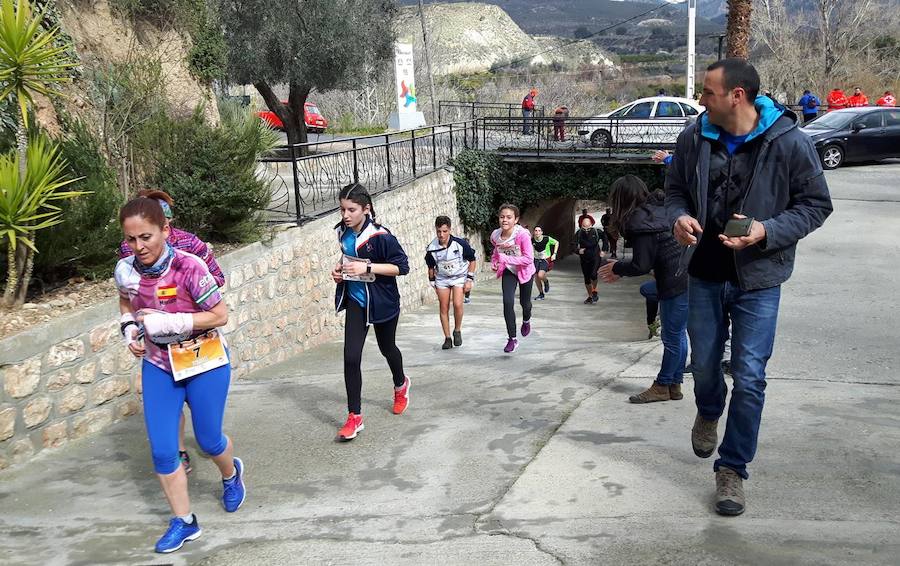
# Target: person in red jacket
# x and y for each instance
(887, 100)
(837, 100)
(858, 99)
(528, 111)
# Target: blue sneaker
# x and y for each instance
(233, 490)
(178, 533)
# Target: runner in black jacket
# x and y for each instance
(586, 243)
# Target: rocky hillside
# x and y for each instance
(102, 39)
(473, 37)
(564, 17)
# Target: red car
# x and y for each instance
(315, 122)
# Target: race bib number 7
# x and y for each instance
(196, 356)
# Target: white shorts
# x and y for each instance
(447, 282)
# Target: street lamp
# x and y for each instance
(691, 47)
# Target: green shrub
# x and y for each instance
(211, 171)
(86, 242)
(479, 178)
(207, 56)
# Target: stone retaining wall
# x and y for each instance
(72, 377)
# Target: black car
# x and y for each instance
(856, 134)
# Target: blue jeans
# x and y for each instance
(673, 314)
(526, 121)
(753, 316)
(648, 291)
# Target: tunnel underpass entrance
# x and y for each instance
(546, 192)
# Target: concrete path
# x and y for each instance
(534, 458)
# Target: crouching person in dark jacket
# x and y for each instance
(641, 217)
(366, 280)
(745, 186)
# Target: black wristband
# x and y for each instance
(472, 277)
(369, 268)
(125, 325)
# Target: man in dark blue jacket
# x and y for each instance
(745, 159)
(809, 105)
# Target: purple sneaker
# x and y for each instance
(511, 345)
(526, 328)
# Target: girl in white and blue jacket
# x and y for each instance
(366, 280)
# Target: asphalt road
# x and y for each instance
(534, 458)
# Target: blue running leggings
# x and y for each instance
(163, 401)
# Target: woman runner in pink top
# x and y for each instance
(174, 307)
(513, 260)
(180, 240)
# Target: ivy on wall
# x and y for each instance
(484, 181)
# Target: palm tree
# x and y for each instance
(27, 200)
(31, 62)
(739, 28)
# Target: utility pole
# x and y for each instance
(691, 48)
(428, 63)
(721, 41)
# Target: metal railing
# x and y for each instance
(455, 110)
(306, 178)
(607, 136)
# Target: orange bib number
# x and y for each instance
(196, 356)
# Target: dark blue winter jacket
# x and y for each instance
(376, 243)
(786, 190)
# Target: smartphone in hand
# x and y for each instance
(738, 227)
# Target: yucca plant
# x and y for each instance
(31, 62)
(27, 202)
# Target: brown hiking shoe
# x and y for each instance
(656, 392)
(729, 492)
(675, 392)
(704, 436)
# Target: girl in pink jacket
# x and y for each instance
(513, 260)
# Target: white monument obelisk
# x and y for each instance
(407, 115)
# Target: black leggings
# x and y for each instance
(509, 283)
(355, 330)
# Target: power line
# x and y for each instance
(598, 32)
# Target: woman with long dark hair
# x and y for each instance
(366, 278)
(640, 216)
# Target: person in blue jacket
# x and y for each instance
(809, 104)
(366, 278)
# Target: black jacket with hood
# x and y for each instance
(376, 243)
(654, 248)
(785, 189)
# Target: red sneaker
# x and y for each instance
(401, 398)
(350, 429)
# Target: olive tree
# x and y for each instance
(305, 44)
